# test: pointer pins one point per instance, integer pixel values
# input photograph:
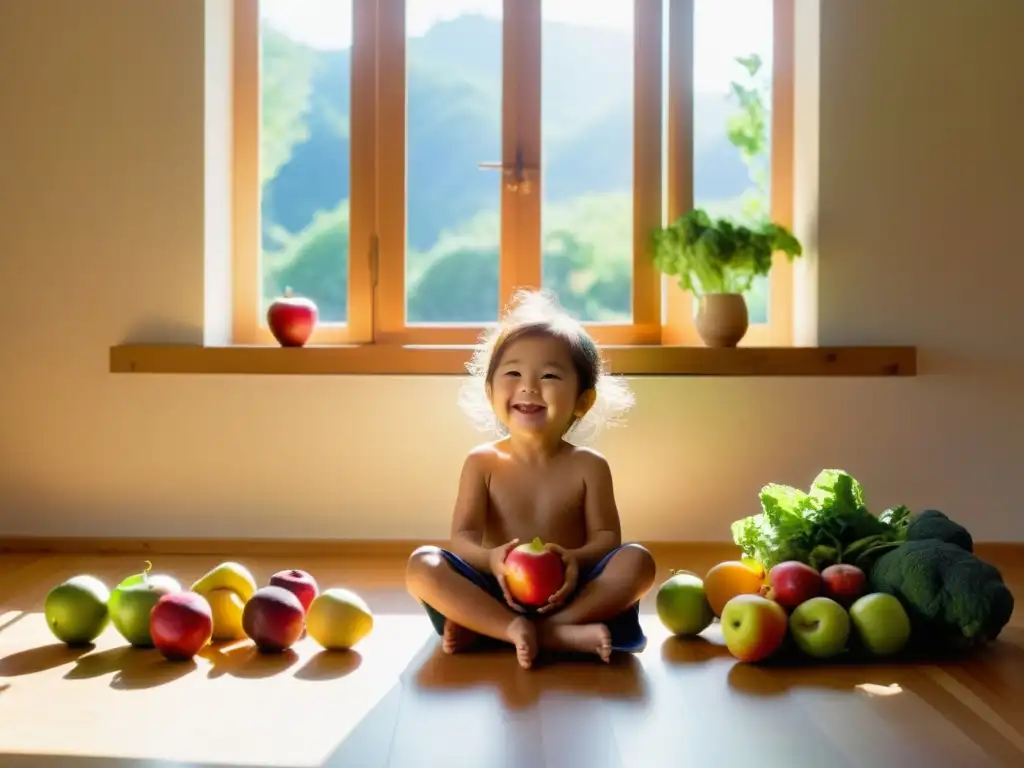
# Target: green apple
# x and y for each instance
(881, 623)
(820, 627)
(76, 610)
(132, 601)
(682, 605)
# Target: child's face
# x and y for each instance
(535, 387)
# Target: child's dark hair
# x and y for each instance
(538, 313)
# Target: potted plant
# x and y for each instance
(717, 260)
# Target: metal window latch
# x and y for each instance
(516, 173)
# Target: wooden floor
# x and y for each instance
(400, 702)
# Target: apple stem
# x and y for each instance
(288, 292)
(145, 573)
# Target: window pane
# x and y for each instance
(587, 141)
(305, 79)
(732, 116)
(453, 221)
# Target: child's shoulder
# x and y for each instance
(581, 457)
(587, 458)
(484, 452)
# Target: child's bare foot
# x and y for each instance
(456, 638)
(579, 638)
(523, 635)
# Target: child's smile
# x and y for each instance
(535, 385)
(531, 414)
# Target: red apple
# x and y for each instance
(533, 573)
(792, 582)
(753, 627)
(301, 583)
(291, 319)
(181, 625)
(273, 619)
(844, 583)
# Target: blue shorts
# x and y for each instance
(627, 634)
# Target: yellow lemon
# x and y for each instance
(227, 606)
(338, 618)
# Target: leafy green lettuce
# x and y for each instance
(830, 523)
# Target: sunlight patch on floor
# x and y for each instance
(873, 689)
(114, 701)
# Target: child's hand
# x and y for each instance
(497, 566)
(571, 575)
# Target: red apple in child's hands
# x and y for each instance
(291, 319)
(533, 573)
(301, 583)
(181, 625)
(844, 583)
(792, 582)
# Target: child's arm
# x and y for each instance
(604, 531)
(470, 516)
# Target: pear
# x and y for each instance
(227, 608)
(229, 575)
(338, 619)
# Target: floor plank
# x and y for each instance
(398, 701)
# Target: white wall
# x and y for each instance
(101, 198)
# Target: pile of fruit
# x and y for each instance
(818, 573)
(793, 606)
(153, 610)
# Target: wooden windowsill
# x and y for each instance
(451, 360)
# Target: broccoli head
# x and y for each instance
(954, 599)
(933, 524)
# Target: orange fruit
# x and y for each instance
(733, 577)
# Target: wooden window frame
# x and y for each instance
(679, 326)
(662, 313)
(661, 342)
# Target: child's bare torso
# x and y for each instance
(530, 499)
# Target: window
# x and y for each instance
(408, 164)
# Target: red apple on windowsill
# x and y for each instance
(292, 319)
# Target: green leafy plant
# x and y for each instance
(719, 255)
(726, 254)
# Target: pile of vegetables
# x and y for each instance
(955, 599)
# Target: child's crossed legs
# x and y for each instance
(601, 616)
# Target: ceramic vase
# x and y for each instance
(722, 319)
